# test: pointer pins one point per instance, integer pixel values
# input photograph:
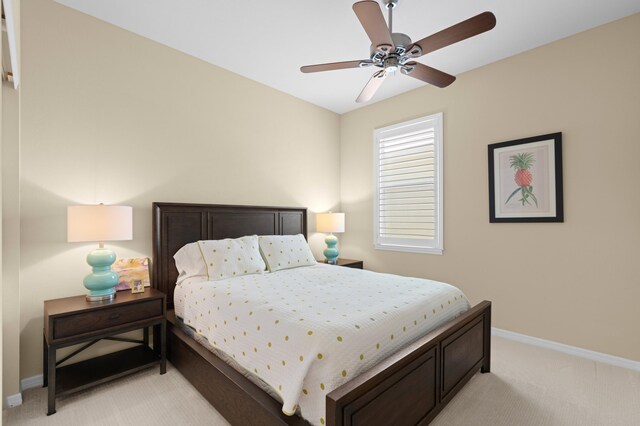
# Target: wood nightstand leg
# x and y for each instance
(163, 347)
(156, 339)
(45, 361)
(145, 336)
(51, 380)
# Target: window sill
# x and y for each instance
(409, 249)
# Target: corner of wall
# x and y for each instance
(10, 237)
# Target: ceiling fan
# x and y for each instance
(395, 51)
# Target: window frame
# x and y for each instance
(404, 245)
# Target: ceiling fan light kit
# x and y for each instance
(395, 51)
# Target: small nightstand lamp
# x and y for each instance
(99, 224)
(330, 222)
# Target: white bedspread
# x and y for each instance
(306, 331)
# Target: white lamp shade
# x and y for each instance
(330, 222)
(99, 223)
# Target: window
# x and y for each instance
(408, 186)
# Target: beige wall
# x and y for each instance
(1, 245)
(573, 282)
(108, 116)
(10, 256)
(10, 160)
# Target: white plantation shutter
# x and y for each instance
(408, 186)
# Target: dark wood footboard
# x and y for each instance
(412, 386)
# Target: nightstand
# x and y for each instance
(73, 320)
(349, 263)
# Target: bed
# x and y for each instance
(408, 387)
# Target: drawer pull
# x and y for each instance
(114, 316)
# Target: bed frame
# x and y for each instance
(410, 387)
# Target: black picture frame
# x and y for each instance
(554, 187)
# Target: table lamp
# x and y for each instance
(99, 224)
(330, 222)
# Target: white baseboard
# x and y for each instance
(31, 382)
(13, 400)
(28, 383)
(567, 349)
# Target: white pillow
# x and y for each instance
(232, 258)
(189, 262)
(285, 251)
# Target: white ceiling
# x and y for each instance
(269, 41)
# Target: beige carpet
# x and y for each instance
(527, 386)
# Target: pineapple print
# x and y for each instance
(523, 177)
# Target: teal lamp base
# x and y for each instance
(102, 282)
(331, 252)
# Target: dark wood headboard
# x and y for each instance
(177, 224)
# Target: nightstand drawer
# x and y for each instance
(94, 321)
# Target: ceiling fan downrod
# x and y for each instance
(391, 4)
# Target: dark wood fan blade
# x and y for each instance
(461, 31)
(331, 66)
(429, 75)
(372, 86)
(370, 16)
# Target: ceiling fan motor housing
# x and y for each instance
(392, 57)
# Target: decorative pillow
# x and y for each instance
(232, 258)
(285, 251)
(189, 262)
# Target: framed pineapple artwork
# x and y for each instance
(525, 180)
